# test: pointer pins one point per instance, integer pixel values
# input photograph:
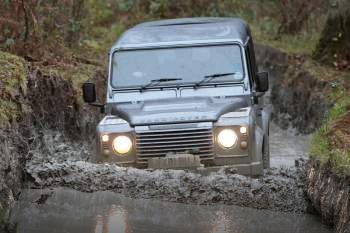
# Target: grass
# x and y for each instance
(304, 43)
(76, 74)
(323, 145)
(13, 78)
(13, 83)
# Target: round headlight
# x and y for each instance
(227, 138)
(122, 144)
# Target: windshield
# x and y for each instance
(186, 65)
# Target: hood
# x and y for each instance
(177, 110)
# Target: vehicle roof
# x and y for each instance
(184, 31)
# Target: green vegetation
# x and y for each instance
(13, 76)
(331, 144)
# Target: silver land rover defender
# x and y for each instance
(184, 91)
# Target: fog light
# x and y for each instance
(106, 152)
(122, 144)
(227, 138)
(105, 138)
(243, 130)
(244, 145)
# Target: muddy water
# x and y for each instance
(286, 146)
(68, 211)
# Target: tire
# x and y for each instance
(266, 154)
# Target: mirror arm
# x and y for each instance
(96, 105)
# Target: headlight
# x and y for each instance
(122, 144)
(227, 138)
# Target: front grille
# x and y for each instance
(151, 144)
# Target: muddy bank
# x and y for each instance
(298, 98)
(31, 102)
(329, 195)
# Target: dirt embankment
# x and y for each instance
(298, 97)
(330, 196)
(31, 102)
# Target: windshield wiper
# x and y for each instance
(210, 77)
(155, 82)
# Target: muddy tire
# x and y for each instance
(266, 154)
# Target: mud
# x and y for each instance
(66, 164)
(330, 195)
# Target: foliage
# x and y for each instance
(50, 30)
(331, 143)
(32, 27)
(334, 45)
(295, 13)
(13, 75)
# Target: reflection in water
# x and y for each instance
(106, 212)
(114, 221)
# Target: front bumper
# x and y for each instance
(195, 138)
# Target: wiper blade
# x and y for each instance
(154, 82)
(210, 77)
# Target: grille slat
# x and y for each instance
(175, 137)
(174, 143)
(158, 143)
(168, 148)
(171, 134)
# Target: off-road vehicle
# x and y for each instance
(184, 92)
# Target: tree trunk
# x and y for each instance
(334, 44)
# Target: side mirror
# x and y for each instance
(262, 82)
(89, 92)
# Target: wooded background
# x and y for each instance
(50, 29)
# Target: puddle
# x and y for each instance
(67, 211)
